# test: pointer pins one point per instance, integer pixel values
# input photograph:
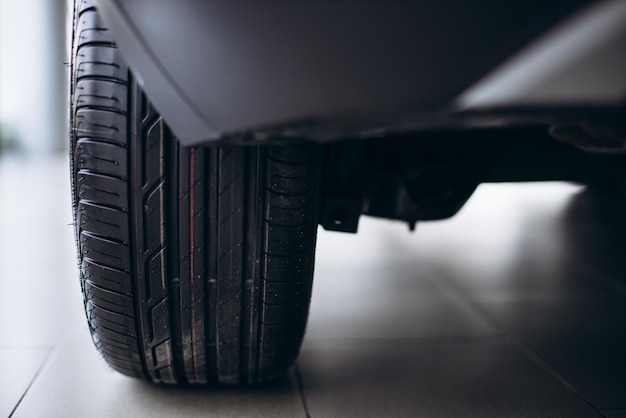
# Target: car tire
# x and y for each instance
(196, 263)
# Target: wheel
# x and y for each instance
(196, 264)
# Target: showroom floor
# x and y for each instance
(515, 307)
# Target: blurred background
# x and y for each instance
(36, 238)
(33, 75)
(39, 289)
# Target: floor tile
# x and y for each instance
(467, 379)
(402, 324)
(614, 413)
(558, 290)
(371, 291)
(594, 365)
(593, 230)
(386, 303)
(18, 367)
(77, 383)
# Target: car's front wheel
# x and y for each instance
(196, 263)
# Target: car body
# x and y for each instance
(503, 74)
(340, 69)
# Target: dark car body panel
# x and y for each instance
(227, 69)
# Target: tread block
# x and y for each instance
(280, 269)
(231, 202)
(106, 277)
(101, 94)
(101, 158)
(115, 338)
(280, 201)
(159, 316)
(157, 274)
(108, 300)
(231, 168)
(101, 62)
(167, 375)
(289, 217)
(162, 354)
(229, 274)
(84, 5)
(89, 29)
(287, 241)
(100, 124)
(152, 143)
(230, 253)
(287, 186)
(126, 360)
(126, 326)
(109, 346)
(107, 221)
(105, 305)
(154, 218)
(104, 251)
(112, 349)
(229, 309)
(116, 317)
(280, 293)
(108, 190)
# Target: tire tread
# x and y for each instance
(195, 263)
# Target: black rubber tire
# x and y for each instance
(196, 264)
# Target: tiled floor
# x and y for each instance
(516, 307)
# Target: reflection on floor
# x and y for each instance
(515, 307)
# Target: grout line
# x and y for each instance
(601, 279)
(457, 292)
(63, 338)
(298, 376)
(532, 356)
(32, 381)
